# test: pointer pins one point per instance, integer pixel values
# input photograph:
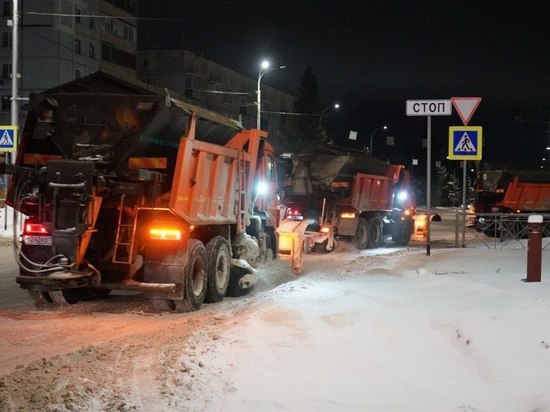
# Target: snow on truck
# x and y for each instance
(341, 192)
(123, 188)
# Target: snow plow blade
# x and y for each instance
(291, 239)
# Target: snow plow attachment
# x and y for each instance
(291, 240)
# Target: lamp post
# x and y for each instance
(372, 135)
(263, 68)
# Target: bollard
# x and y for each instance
(534, 248)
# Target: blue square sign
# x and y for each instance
(465, 142)
(8, 138)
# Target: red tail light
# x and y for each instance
(35, 229)
(294, 212)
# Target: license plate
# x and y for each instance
(37, 240)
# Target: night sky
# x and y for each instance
(371, 56)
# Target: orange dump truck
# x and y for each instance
(345, 193)
(510, 191)
(124, 188)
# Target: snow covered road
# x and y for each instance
(390, 329)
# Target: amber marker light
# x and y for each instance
(165, 233)
(348, 215)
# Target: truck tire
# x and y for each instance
(323, 247)
(164, 305)
(375, 232)
(67, 296)
(194, 278)
(272, 241)
(255, 227)
(362, 234)
(402, 233)
(218, 263)
(39, 297)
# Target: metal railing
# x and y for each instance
(497, 230)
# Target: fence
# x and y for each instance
(496, 230)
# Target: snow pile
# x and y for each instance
(387, 329)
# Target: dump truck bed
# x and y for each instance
(104, 120)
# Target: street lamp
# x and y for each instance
(263, 68)
(372, 135)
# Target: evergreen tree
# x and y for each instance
(452, 191)
(447, 188)
(305, 130)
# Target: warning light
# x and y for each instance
(165, 234)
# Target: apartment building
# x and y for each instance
(63, 40)
(218, 88)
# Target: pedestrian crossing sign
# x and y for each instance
(8, 138)
(465, 142)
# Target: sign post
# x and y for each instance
(466, 106)
(429, 108)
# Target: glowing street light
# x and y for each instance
(372, 135)
(263, 68)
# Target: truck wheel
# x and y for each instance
(39, 297)
(272, 241)
(375, 232)
(163, 304)
(194, 278)
(67, 296)
(402, 234)
(218, 259)
(362, 234)
(255, 227)
(322, 247)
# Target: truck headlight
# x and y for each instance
(402, 196)
(262, 188)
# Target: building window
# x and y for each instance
(92, 23)
(128, 32)
(112, 54)
(108, 25)
(6, 8)
(77, 14)
(91, 51)
(128, 5)
(6, 103)
(77, 74)
(77, 46)
(6, 71)
(6, 39)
